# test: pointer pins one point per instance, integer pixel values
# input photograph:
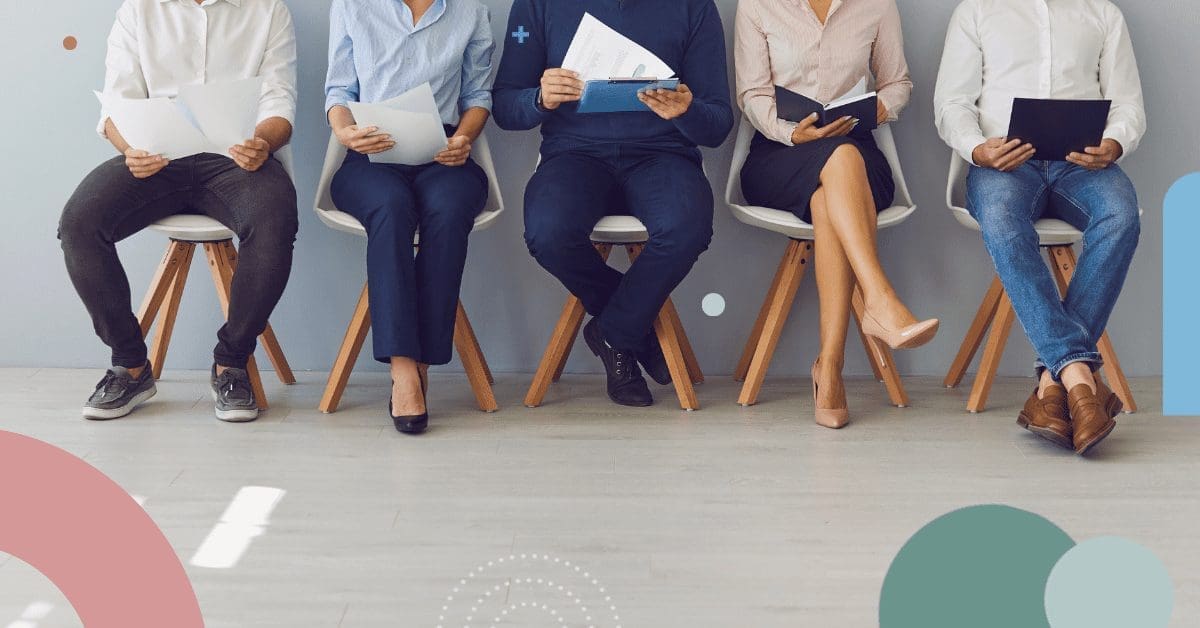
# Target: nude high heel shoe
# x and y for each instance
(909, 337)
(833, 418)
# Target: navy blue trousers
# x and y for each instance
(664, 188)
(413, 298)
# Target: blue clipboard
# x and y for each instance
(619, 95)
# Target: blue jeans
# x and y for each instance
(1102, 204)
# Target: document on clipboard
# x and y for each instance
(614, 69)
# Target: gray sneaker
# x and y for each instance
(234, 396)
(119, 393)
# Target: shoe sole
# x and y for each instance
(1046, 433)
(235, 416)
(98, 414)
(596, 352)
(1113, 407)
(920, 339)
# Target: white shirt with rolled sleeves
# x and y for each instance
(158, 46)
(998, 50)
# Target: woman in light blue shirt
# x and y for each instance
(380, 49)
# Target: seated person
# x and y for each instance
(642, 163)
(1083, 52)
(380, 49)
(834, 176)
(247, 190)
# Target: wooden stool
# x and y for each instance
(764, 338)
(186, 232)
(479, 374)
(996, 313)
(681, 359)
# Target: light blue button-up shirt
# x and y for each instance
(377, 53)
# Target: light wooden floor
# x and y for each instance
(728, 517)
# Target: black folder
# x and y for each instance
(795, 107)
(1057, 128)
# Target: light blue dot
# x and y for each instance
(713, 304)
(1109, 582)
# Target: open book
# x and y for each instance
(796, 107)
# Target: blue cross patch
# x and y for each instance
(521, 35)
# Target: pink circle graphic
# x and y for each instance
(87, 535)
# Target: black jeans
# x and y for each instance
(111, 205)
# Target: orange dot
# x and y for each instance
(70, 43)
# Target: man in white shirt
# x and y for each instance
(155, 48)
(998, 50)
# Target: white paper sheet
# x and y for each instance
(224, 112)
(155, 125)
(598, 52)
(413, 121)
(202, 119)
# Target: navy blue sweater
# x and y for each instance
(686, 34)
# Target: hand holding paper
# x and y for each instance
(413, 116)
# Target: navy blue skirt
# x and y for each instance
(785, 177)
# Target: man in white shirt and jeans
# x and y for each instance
(998, 50)
(156, 47)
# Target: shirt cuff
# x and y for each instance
(966, 145)
(785, 129)
(1126, 138)
(277, 109)
(892, 110)
(481, 102)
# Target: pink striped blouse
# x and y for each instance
(781, 42)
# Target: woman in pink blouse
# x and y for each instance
(832, 176)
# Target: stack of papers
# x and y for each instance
(413, 121)
(614, 68)
(202, 119)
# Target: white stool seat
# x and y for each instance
(341, 221)
(620, 230)
(192, 228)
(785, 222)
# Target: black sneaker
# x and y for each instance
(119, 393)
(626, 386)
(653, 360)
(234, 396)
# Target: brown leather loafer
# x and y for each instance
(1048, 416)
(1092, 415)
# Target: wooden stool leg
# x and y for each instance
(473, 362)
(794, 265)
(676, 363)
(743, 365)
(992, 353)
(222, 275)
(975, 335)
(562, 363)
(1064, 261)
(348, 354)
(561, 340)
(880, 356)
(269, 342)
(689, 354)
(166, 323)
(161, 284)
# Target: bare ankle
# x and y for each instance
(1078, 373)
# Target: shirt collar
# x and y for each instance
(236, 3)
(433, 14)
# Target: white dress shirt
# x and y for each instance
(158, 46)
(998, 50)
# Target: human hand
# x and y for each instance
(560, 86)
(457, 150)
(143, 165)
(668, 104)
(807, 131)
(1098, 157)
(881, 113)
(1001, 154)
(251, 154)
(365, 140)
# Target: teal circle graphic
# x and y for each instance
(983, 567)
(1109, 583)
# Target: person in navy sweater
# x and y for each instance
(644, 164)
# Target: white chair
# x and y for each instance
(1058, 238)
(760, 348)
(630, 233)
(476, 366)
(185, 232)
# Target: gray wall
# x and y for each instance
(939, 268)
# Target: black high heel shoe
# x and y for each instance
(411, 425)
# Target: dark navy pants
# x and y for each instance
(664, 188)
(413, 298)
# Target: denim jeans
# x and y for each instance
(1103, 204)
(111, 205)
